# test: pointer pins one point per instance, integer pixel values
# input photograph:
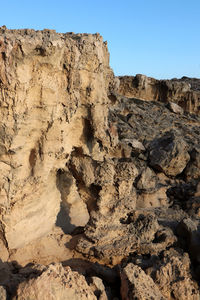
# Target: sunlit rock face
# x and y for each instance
(94, 175)
(184, 92)
(53, 91)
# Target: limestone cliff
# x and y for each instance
(105, 184)
(53, 99)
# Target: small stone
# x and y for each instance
(175, 108)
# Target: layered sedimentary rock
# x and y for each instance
(53, 97)
(104, 184)
(184, 92)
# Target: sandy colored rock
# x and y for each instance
(3, 294)
(147, 180)
(53, 89)
(98, 288)
(112, 241)
(155, 199)
(48, 249)
(73, 210)
(135, 284)
(192, 170)
(175, 108)
(4, 251)
(197, 193)
(55, 283)
(92, 179)
(173, 277)
(183, 92)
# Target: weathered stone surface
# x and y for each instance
(197, 192)
(53, 89)
(135, 284)
(173, 277)
(98, 288)
(153, 199)
(146, 121)
(106, 235)
(168, 154)
(185, 92)
(3, 294)
(73, 211)
(192, 170)
(55, 283)
(175, 108)
(171, 272)
(93, 179)
(188, 230)
(147, 180)
(48, 249)
(4, 251)
(111, 241)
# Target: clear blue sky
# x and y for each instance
(159, 38)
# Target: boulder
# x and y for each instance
(135, 284)
(168, 154)
(188, 229)
(147, 180)
(175, 108)
(172, 275)
(55, 283)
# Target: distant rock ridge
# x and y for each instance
(185, 91)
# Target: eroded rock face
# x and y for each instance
(53, 98)
(184, 92)
(92, 179)
(113, 230)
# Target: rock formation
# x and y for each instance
(184, 92)
(99, 188)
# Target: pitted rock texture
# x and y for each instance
(171, 274)
(55, 283)
(53, 98)
(104, 184)
(184, 92)
(124, 221)
(137, 285)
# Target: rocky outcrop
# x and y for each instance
(159, 169)
(54, 91)
(104, 184)
(185, 91)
